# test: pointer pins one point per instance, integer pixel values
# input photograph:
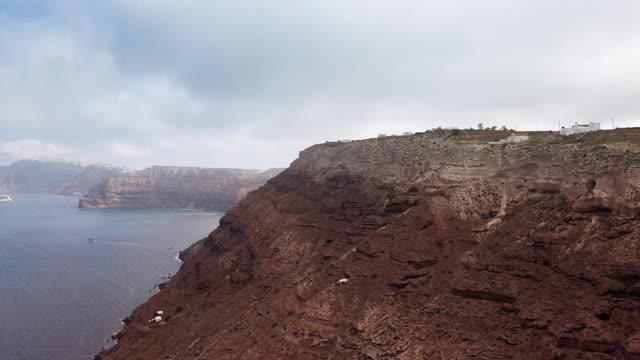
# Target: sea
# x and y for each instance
(68, 276)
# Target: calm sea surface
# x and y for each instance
(62, 296)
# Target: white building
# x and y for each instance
(580, 128)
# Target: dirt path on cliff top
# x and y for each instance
(453, 249)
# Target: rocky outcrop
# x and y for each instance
(176, 187)
(453, 248)
(31, 176)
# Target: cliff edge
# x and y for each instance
(176, 187)
(452, 248)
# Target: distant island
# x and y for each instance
(105, 186)
(177, 187)
(54, 177)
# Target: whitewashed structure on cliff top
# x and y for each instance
(580, 128)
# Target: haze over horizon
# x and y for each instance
(250, 84)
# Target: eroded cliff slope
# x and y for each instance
(453, 248)
(176, 187)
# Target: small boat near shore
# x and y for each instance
(5, 198)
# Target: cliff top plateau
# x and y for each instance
(441, 245)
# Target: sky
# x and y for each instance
(251, 83)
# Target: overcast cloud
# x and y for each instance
(251, 83)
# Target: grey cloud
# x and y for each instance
(277, 76)
(407, 48)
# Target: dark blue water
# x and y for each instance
(62, 296)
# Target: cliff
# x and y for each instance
(453, 248)
(176, 187)
(31, 176)
(3, 178)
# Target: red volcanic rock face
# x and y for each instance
(452, 250)
(176, 187)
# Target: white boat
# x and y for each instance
(5, 198)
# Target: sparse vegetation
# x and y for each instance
(479, 127)
(476, 135)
